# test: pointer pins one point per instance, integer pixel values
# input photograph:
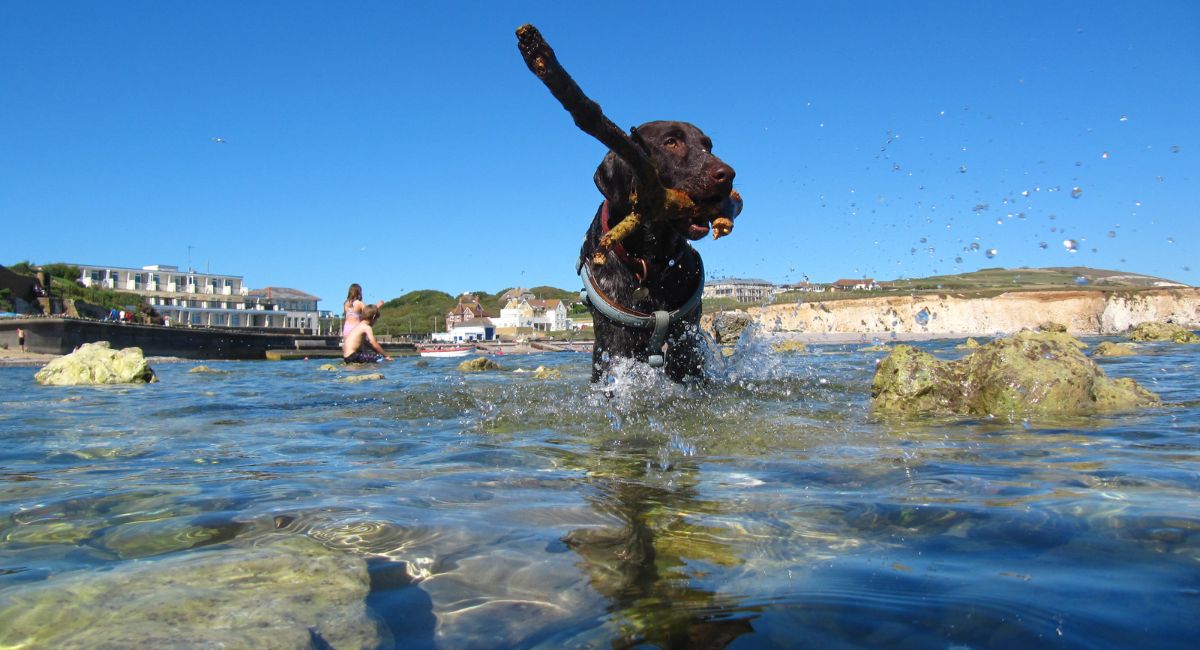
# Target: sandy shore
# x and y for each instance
(19, 358)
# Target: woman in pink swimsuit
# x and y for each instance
(353, 308)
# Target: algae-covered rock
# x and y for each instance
(969, 344)
(287, 592)
(729, 325)
(1051, 326)
(97, 363)
(370, 376)
(542, 372)
(1110, 349)
(328, 367)
(911, 381)
(478, 364)
(1030, 373)
(1169, 332)
(789, 346)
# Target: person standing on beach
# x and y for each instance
(21, 338)
(358, 343)
(354, 308)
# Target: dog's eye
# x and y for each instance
(670, 142)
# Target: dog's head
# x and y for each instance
(683, 156)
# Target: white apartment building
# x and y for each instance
(740, 290)
(207, 299)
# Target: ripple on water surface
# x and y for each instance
(505, 510)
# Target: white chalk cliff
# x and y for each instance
(1083, 312)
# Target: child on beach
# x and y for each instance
(357, 344)
(353, 308)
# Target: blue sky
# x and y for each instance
(406, 146)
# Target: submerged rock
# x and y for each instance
(97, 363)
(789, 346)
(208, 370)
(370, 376)
(1169, 332)
(1030, 373)
(286, 593)
(878, 347)
(542, 372)
(1110, 349)
(328, 367)
(478, 364)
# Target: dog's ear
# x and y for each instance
(614, 179)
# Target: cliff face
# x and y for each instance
(1083, 312)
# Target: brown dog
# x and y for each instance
(644, 292)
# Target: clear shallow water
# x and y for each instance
(499, 510)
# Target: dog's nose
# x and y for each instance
(721, 174)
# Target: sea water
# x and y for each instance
(769, 508)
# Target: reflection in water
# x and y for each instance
(644, 566)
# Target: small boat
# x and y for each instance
(458, 351)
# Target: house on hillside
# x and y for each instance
(521, 312)
(549, 315)
(468, 308)
(865, 284)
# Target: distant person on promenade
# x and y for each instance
(357, 344)
(21, 338)
(354, 308)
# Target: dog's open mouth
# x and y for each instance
(709, 209)
(697, 229)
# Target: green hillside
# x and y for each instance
(994, 281)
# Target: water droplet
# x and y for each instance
(1076, 192)
(974, 246)
(958, 260)
(999, 222)
(895, 167)
(1071, 245)
(1170, 240)
(1112, 234)
(671, 263)
(1104, 156)
(1175, 148)
(1124, 118)
(962, 169)
(991, 252)
(1080, 280)
(1043, 246)
(1137, 204)
(922, 317)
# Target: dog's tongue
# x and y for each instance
(697, 230)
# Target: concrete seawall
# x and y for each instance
(62, 335)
